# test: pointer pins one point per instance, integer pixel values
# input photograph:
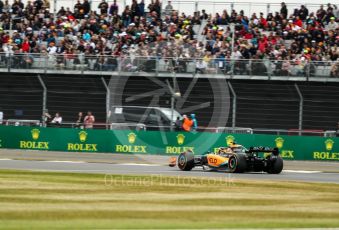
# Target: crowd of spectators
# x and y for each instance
(285, 38)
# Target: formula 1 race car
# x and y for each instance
(235, 159)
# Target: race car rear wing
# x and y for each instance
(260, 149)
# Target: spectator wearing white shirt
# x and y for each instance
(57, 119)
(332, 25)
(169, 9)
(89, 120)
(236, 54)
(52, 49)
(201, 66)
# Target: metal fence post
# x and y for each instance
(232, 26)
(234, 105)
(44, 99)
(55, 11)
(301, 106)
(157, 67)
(195, 67)
(269, 71)
(9, 62)
(45, 64)
(119, 65)
(108, 99)
(82, 58)
(308, 70)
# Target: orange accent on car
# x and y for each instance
(216, 160)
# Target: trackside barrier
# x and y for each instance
(165, 143)
(144, 127)
(18, 122)
(234, 130)
(122, 126)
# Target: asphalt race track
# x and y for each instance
(134, 164)
(158, 170)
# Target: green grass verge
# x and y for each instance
(47, 200)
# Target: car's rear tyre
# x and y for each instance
(276, 165)
(237, 163)
(186, 161)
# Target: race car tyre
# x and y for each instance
(237, 163)
(276, 166)
(186, 161)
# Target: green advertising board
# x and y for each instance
(165, 143)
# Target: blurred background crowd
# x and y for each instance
(157, 32)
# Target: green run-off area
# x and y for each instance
(46, 200)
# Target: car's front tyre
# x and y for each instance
(186, 161)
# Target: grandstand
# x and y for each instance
(272, 71)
